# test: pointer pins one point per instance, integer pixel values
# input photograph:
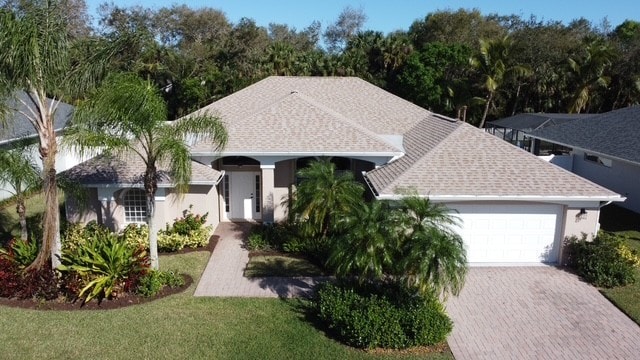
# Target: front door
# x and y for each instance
(244, 196)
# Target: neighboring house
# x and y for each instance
(17, 131)
(514, 129)
(605, 149)
(516, 208)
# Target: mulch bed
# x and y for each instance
(123, 300)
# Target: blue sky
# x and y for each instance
(389, 15)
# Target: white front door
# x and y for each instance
(244, 196)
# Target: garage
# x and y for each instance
(510, 234)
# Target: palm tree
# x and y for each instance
(368, 247)
(21, 173)
(494, 64)
(36, 58)
(433, 255)
(128, 115)
(588, 73)
(323, 196)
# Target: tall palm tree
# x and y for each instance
(323, 196)
(433, 255)
(128, 115)
(588, 73)
(494, 64)
(36, 58)
(22, 174)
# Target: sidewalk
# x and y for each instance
(223, 276)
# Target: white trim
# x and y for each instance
(141, 186)
(218, 155)
(538, 198)
(263, 167)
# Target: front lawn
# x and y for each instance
(626, 223)
(176, 327)
(280, 265)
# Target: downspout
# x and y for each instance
(222, 174)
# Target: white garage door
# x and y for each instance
(510, 234)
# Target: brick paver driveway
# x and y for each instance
(537, 313)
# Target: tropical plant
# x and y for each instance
(21, 173)
(494, 64)
(433, 254)
(323, 196)
(589, 73)
(105, 263)
(128, 116)
(36, 58)
(368, 247)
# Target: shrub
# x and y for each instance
(189, 231)
(136, 236)
(152, 282)
(257, 242)
(387, 315)
(106, 266)
(77, 235)
(23, 252)
(600, 261)
(15, 283)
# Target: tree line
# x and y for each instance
(459, 63)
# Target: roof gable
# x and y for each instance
(351, 103)
(615, 133)
(471, 163)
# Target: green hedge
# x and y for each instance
(604, 262)
(385, 315)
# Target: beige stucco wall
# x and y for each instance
(83, 214)
(204, 199)
(283, 179)
(576, 225)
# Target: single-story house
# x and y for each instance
(514, 129)
(17, 131)
(515, 207)
(605, 148)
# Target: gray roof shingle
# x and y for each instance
(313, 114)
(128, 169)
(17, 126)
(533, 121)
(615, 133)
(453, 159)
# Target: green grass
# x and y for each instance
(176, 327)
(626, 223)
(280, 265)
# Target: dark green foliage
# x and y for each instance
(153, 281)
(106, 265)
(600, 261)
(23, 252)
(387, 315)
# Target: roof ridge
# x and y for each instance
(340, 117)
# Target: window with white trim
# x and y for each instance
(135, 207)
(225, 192)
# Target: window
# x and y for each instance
(598, 160)
(135, 206)
(225, 185)
(258, 193)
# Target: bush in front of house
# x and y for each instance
(604, 262)
(153, 281)
(188, 231)
(386, 315)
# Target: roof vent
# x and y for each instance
(294, 91)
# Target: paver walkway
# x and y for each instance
(537, 313)
(223, 275)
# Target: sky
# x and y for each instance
(390, 15)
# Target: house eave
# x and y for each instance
(535, 198)
(594, 152)
(395, 154)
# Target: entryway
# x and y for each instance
(242, 196)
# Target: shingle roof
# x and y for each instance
(313, 114)
(615, 133)
(533, 121)
(17, 126)
(453, 159)
(128, 169)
